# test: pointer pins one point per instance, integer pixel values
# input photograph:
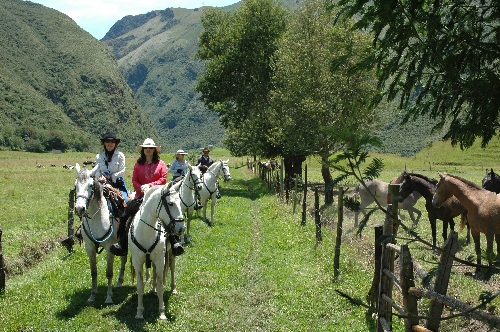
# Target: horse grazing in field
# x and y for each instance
(491, 182)
(483, 210)
(448, 210)
(379, 189)
(99, 228)
(160, 214)
(209, 189)
(190, 184)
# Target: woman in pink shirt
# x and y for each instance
(149, 171)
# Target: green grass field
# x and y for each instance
(257, 269)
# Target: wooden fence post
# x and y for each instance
(372, 296)
(442, 280)
(384, 308)
(407, 280)
(2, 267)
(338, 241)
(304, 199)
(295, 186)
(281, 178)
(317, 218)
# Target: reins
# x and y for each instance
(187, 185)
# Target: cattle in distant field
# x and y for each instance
(68, 166)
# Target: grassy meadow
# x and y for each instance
(257, 269)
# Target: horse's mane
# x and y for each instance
(467, 182)
(433, 181)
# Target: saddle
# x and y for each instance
(115, 198)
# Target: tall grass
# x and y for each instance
(257, 269)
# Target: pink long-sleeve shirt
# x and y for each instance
(153, 174)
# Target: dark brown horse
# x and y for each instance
(450, 209)
(483, 210)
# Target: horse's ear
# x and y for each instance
(441, 175)
(77, 168)
(169, 185)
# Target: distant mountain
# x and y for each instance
(59, 87)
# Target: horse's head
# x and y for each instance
(491, 182)
(171, 214)
(443, 191)
(193, 176)
(406, 187)
(225, 170)
(86, 188)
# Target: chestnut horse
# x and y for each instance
(450, 209)
(483, 210)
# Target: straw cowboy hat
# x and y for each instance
(109, 135)
(148, 143)
(180, 152)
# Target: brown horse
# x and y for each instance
(483, 210)
(426, 187)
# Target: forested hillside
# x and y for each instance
(59, 87)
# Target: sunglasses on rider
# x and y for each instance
(147, 148)
(110, 140)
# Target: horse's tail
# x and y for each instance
(463, 221)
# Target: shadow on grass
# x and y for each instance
(126, 306)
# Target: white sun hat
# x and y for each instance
(180, 152)
(148, 143)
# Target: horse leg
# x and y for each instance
(158, 275)
(432, 221)
(489, 248)
(109, 275)
(121, 276)
(171, 263)
(497, 238)
(212, 211)
(477, 247)
(140, 288)
(187, 237)
(91, 252)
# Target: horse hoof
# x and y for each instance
(162, 316)
(173, 291)
(91, 299)
(210, 224)
(139, 316)
(109, 300)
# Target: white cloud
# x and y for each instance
(97, 16)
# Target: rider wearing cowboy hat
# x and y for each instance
(179, 165)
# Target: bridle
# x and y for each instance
(195, 182)
(169, 228)
(88, 230)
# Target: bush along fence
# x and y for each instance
(385, 280)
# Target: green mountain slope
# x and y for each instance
(59, 87)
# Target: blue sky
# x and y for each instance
(98, 16)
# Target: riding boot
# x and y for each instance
(217, 194)
(121, 248)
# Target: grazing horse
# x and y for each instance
(448, 210)
(99, 228)
(159, 214)
(379, 189)
(483, 210)
(209, 189)
(491, 182)
(189, 185)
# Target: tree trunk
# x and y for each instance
(327, 178)
(293, 166)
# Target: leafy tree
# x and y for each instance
(440, 58)
(318, 90)
(238, 49)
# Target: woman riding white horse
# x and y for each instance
(209, 189)
(160, 215)
(99, 228)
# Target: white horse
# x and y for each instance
(379, 189)
(189, 185)
(209, 189)
(99, 228)
(159, 214)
